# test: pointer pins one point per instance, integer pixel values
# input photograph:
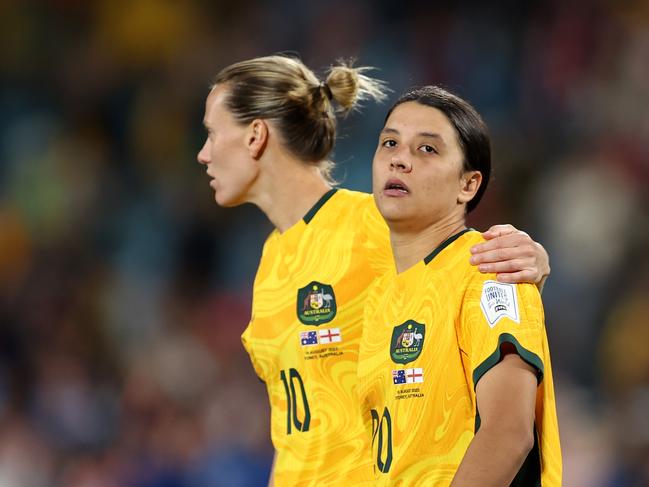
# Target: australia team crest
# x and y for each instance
(407, 342)
(316, 303)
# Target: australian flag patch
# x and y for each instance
(308, 338)
(399, 376)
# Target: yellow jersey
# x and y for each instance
(304, 335)
(430, 333)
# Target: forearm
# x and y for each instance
(493, 458)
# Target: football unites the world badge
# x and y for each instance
(316, 303)
(407, 342)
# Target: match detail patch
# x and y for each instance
(498, 300)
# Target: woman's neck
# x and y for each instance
(287, 190)
(408, 248)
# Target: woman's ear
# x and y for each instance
(469, 183)
(257, 137)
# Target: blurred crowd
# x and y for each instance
(124, 289)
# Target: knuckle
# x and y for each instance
(521, 238)
(516, 265)
(516, 277)
(513, 240)
(507, 278)
(485, 249)
(529, 264)
(528, 250)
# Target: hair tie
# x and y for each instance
(327, 91)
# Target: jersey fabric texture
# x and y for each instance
(430, 333)
(304, 334)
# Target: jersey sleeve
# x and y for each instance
(248, 335)
(494, 314)
(247, 342)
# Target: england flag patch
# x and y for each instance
(498, 301)
(329, 336)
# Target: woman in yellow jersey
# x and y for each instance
(454, 369)
(271, 126)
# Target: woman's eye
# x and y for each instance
(428, 148)
(389, 143)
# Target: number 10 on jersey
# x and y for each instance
(290, 381)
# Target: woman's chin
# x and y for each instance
(226, 201)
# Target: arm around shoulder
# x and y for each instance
(512, 255)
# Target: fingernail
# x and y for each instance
(472, 260)
(482, 268)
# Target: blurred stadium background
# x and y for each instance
(124, 288)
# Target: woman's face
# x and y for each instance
(417, 168)
(225, 153)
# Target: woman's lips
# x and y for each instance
(396, 188)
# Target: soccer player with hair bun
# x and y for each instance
(271, 128)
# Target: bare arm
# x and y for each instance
(512, 255)
(506, 397)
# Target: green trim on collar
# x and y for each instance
(445, 244)
(320, 203)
